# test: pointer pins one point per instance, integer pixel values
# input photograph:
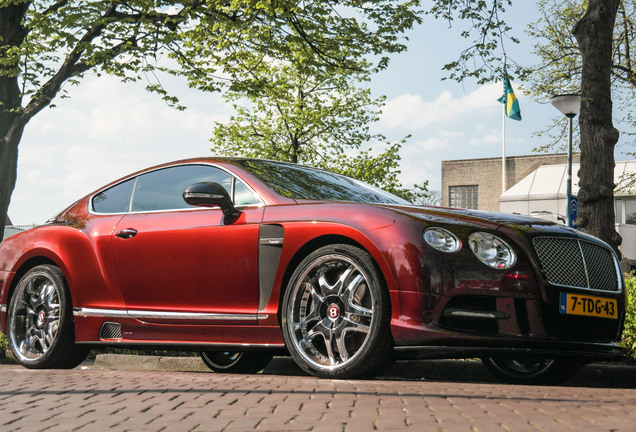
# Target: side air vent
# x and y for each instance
(110, 330)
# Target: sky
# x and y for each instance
(107, 129)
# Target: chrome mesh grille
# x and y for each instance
(110, 330)
(576, 262)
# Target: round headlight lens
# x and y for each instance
(492, 251)
(442, 240)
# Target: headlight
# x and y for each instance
(491, 250)
(442, 240)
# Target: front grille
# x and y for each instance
(576, 262)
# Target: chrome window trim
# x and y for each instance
(140, 314)
(175, 210)
(103, 313)
(233, 175)
(272, 241)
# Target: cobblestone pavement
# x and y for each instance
(282, 399)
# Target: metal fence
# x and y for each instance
(14, 229)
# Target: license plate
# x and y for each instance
(577, 304)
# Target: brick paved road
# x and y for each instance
(282, 399)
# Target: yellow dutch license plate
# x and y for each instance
(577, 304)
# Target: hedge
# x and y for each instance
(629, 334)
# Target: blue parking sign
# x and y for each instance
(573, 209)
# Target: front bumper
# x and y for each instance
(577, 351)
(467, 326)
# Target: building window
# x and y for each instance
(625, 211)
(618, 211)
(630, 212)
(463, 197)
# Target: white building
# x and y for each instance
(542, 193)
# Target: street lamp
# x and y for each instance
(569, 105)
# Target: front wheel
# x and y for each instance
(530, 371)
(336, 314)
(236, 362)
(40, 321)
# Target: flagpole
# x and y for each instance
(503, 150)
(503, 141)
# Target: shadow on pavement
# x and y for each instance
(602, 375)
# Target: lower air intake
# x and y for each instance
(110, 330)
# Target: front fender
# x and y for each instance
(395, 245)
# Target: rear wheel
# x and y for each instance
(236, 362)
(530, 370)
(336, 314)
(40, 321)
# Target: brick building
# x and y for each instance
(476, 183)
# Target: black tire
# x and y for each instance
(540, 371)
(236, 362)
(40, 321)
(336, 314)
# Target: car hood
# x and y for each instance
(493, 219)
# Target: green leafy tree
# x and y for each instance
(310, 114)
(560, 67)
(45, 44)
(594, 35)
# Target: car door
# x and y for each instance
(181, 264)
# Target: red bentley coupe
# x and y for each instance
(241, 259)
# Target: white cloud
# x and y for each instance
(486, 140)
(412, 112)
(104, 131)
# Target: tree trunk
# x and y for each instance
(12, 34)
(8, 168)
(598, 136)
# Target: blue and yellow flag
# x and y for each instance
(512, 104)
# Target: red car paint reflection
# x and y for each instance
(242, 259)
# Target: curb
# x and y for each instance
(603, 374)
(154, 363)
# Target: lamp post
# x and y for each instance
(569, 105)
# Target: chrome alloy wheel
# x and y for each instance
(331, 311)
(522, 368)
(221, 360)
(544, 371)
(236, 362)
(34, 316)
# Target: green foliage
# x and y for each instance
(560, 67)
(297, 111)
(44, 44)
(125, 351)
(379, 170)
(487, 32)
(4, 345)
(629, 334)
(5, 351)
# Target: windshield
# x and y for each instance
(301, 182)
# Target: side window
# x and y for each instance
(115, 199)
(163, 189)
(243, 196)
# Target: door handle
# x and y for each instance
(127, 233)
